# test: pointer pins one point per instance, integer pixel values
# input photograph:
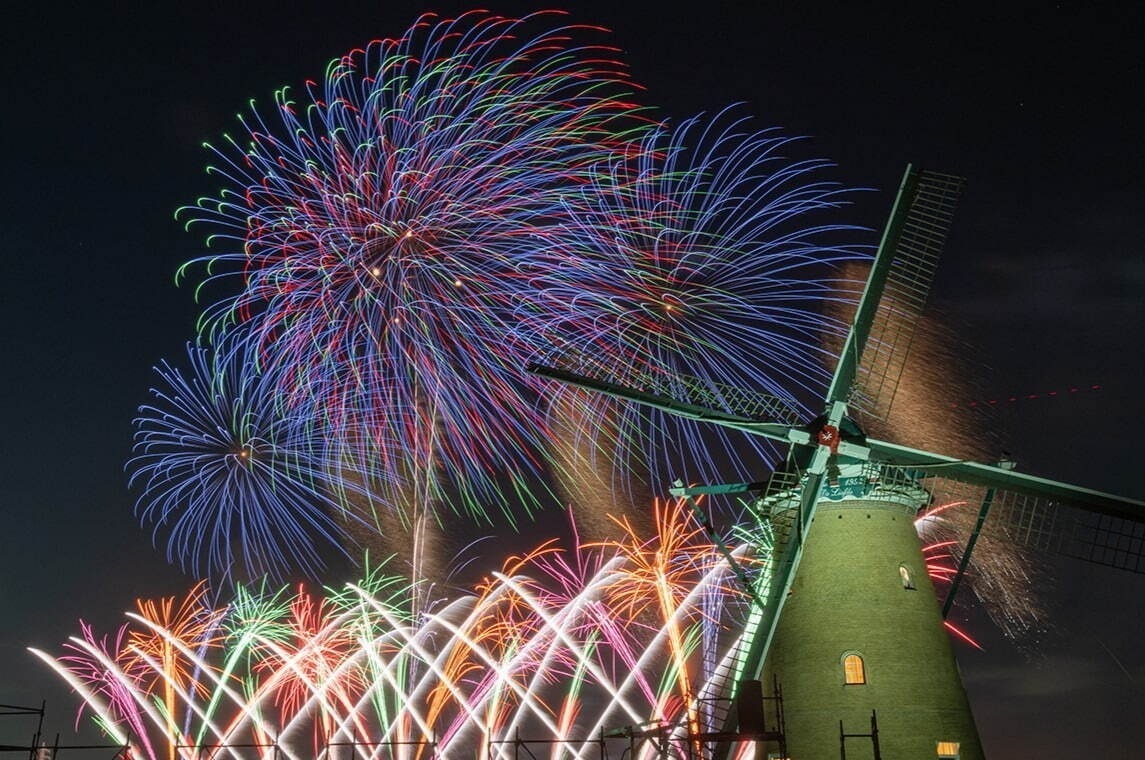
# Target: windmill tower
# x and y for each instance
(850, 624)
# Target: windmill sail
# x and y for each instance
(993, 476)
(1104, 540)
(681, 394)
(1057, 518)
(915, 236)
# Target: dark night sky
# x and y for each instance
(103, 120)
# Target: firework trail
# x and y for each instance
(370, 233)
(702, 261)
(229, 476)
(558, 645)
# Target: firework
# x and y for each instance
(370, 234)
(559, 645)
(701, 264)
(228, 476)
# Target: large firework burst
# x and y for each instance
(371, 233)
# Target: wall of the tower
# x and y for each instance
(850, 597)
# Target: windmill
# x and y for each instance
(850, 624)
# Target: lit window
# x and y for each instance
(907, 579)
(948, 750)
(853, 670)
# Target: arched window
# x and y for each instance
(905, 575)
(948, 750)
(854, 672)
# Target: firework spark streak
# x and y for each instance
(374, 227)
(558, 645)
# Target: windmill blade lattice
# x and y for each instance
(684, 395)
(917, 244)
(1055, 525)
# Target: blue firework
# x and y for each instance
(227, 475)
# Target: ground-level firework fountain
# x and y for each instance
(628, 644)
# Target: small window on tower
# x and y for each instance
(948, 750)
(907, 578)
(853, 670)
